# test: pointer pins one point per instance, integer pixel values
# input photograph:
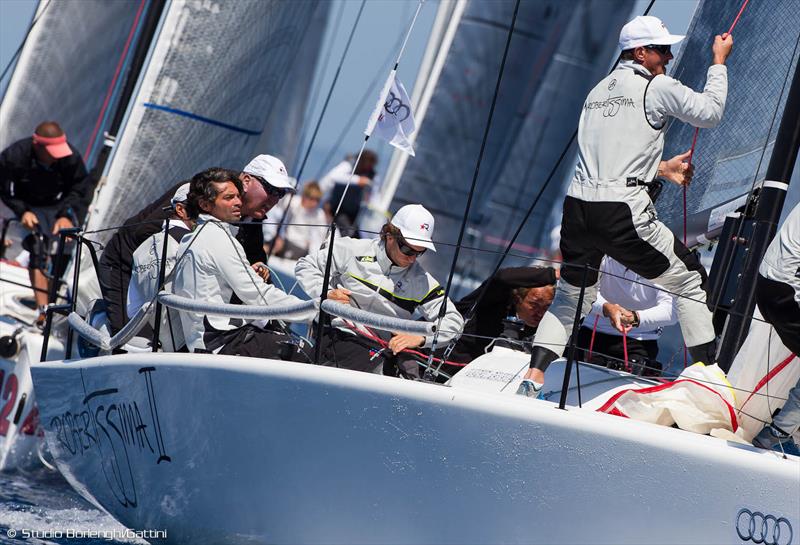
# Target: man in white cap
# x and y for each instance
(44, 182)
(265, 182)
(608, 211)
(146, 267)
(381, 276)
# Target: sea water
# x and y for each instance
(40, 508)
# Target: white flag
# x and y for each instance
(392, 120)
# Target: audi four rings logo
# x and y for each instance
(395, 107)
(760, 528)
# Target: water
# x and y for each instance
(41, 503)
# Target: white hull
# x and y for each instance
(267, 451)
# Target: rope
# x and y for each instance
(625, 349)
(591, 343)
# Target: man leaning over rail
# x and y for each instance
(212, 267)
(147, 266)
(778, 299)
(381, 276)
(607, 210)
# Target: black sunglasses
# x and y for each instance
(406, 249)
(271, 190)
(663, 49)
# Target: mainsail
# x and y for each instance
(223, 81)
(74, 55)
(556, 53)
(732, 157)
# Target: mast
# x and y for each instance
(763, 225)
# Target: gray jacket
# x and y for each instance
(379, 286)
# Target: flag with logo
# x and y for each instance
(393, 119)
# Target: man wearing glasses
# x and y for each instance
(382, 276)
(607, 210)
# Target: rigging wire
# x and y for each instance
(443, 307)
(25, 39)
(319, 122)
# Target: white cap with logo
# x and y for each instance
(646, 30)
(272, 170)
(416, 225)
(181, 194)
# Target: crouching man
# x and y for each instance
(212, 267)
(382, 276)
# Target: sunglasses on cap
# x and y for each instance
(663, 49)
(406, 249)
(272, 191)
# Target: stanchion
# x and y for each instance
(571, 353)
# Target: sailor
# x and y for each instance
(44, 182)
(511, 306)
(212, 267)
(146, 268)
(628, 305)
(334, 182)
(608, 211)
(115, 262)
(381, 276)
(305, 224)
(778, 299)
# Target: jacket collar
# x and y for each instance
(383, 260)
(208, 218)
(636, 67)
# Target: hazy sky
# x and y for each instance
(365, 63)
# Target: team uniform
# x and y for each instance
(607, 210)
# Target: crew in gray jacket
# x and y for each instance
(384, 277)
(212, 267)
(607, 210)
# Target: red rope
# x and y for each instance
(591, 343)
(741, 10)
(111, 86)
(625, 348)
(383, 344)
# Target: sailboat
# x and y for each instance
(172, 101)
(315, 454)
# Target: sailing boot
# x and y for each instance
(530, 388)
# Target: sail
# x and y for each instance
(730, 158)
(75, 56)
(557, 53)
(224, 81)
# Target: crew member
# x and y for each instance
(45, 184)
(212, 267)
(608, 211)
(381, 276)
(778, 299)
(334, 182)
(305, 225)
(522, 294)
(628, 305)
(146, 268)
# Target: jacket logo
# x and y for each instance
(366, 258)
(398, 285)
(612, 84)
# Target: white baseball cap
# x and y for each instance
(646, 30)
(416, 225)
(181, 194)
(272, 170)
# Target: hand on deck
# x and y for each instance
(401, 341)
(621, 318)
(677, 170)
(340, 295)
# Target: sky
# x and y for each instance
(365, 66)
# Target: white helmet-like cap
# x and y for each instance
(181, 194)
(416, 225)
(646, 30)
(272, 170)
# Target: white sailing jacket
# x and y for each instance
(621, 136)
(781, 261)
(213, 269)
(379, 286)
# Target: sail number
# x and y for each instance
(9, 389)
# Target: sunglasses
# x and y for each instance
(271, 190)
(406, 249)
(663, 49)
